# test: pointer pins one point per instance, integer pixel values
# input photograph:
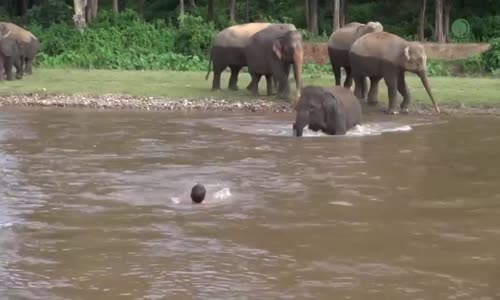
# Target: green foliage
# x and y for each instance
(437, 68)
(491, 58)
(125, 41)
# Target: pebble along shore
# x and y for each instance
(119, 102)
(143, 103)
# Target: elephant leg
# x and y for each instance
(19, 68)
(233, 80)
(392, 85)
(348, 77)
(405, 92)
(337, 74)
(358, 90)
(8, 69)
(254, 89)
(217, 74)
(269, 82)
(373, 92)
(286, 69)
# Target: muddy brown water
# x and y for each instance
(95, 205)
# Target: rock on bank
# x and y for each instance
(143, 103)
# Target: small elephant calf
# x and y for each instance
(331, 110)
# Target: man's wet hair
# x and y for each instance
(198, 193)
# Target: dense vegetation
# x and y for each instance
(157, 38)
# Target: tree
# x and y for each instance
(79, 16)
(192, 4)
(247, 13)
(308, 21)
(446, 21)
(115, 6)
(438, 23)
(313, 16)
(343, 10)
(210, 10)
(421, 19)
(181, 11)
(232, 11)
(336, 14)
(140, 7)
(91, 10)
(22, 7)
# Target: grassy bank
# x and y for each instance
(447, 90)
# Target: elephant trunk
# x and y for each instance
(298, 60)
(425, 83)
(300, 122)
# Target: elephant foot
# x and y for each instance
(372, 102)
(404, 110)
(214, 89)
(233, 88)
(391, 111)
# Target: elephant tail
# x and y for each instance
(209, 67)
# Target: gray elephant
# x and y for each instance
(271, 52)
(28, 44)
(331, 110)
(385, 55)
(228, 50)
(10, 54)
(340, 43)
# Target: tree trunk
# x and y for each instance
(22, 7)
(308, 21)
(247, 12)
(115, 6)
(446, 21)
(181, 11)
(313, 16)
(343, 10)
(438, 27)
(421, 20)
(79, 16)
(140, 6)
(95, 5)
(232, 11)
(192, 4)
(210, 10)
(336, 14)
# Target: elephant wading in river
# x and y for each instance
(10, 54)
(331, 110)
(271, 52)
(228, 50)
(28, 44)
(340, 43)
(385, 55)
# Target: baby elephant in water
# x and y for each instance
(331, 110)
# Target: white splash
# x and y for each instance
(222, 194)
(377, 129)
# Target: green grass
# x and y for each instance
(447, 90)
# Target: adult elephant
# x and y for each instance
(340, 43)
(331, 110)
(10, 54)
(385, 55)
(271, 52)
(228, 50)
(28, 44)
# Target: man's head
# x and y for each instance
(198, 193)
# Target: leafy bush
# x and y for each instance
(491, 58)
(436, 68)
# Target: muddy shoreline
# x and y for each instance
(121, 102)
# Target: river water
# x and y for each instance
(95, 205)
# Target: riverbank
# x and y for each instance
(162, 90)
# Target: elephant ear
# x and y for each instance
(406, 52)
(278, 48)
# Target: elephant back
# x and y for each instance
(343, 38)
(19, 33)
(237, 35)
(379, 45)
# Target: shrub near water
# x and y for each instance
(124, 41)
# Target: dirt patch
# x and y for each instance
(318, 52)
